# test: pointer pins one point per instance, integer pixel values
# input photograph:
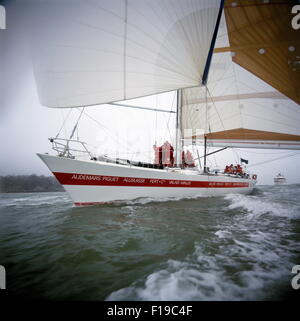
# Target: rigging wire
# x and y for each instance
(206, 119)
(64, 122)
(262, 153)
(117, 139)
(155, 135)
(234, 153)
(274, 159)
(169, 118)
(76, 124)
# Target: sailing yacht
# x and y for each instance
(107, 52)
(279, 179)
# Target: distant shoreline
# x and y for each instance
(60, 191)
(29, 184)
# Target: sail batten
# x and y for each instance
(271, 94)
(250, 134)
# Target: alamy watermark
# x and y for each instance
(296, 19)
(2, 17)
(2, 278)
(295, 280)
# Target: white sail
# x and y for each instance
(89, 52)
(238, 109)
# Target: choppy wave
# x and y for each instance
(251, 255)
(256, 206)
(238, 247)
(210, 277)
(146, 200)
(33, 199)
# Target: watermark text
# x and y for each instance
(296, 279)
(2, 278)
(296, 18)
(2, 17)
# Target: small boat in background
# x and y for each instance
(279, 179)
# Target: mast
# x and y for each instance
(205, 131)
(204, 166)
(206, 71)
(178, 128)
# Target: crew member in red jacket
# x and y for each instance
(167, 154)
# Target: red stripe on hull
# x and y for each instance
(99, 180)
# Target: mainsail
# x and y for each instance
(252, 96)
(90, 52)
(265, 43)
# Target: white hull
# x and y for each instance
(91, 182)
(279, 182)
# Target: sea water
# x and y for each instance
(226, 248)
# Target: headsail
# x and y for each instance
(241, 109)
(89, 52)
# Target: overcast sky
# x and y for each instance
(25, 125)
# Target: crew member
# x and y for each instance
(167, 154)
(239, 170)
(157, 155)
(189, 159)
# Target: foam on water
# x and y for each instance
(34, 199)
(256, 206)
(251, 255)
(146, 200)
(223, 234)
(204, 277)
